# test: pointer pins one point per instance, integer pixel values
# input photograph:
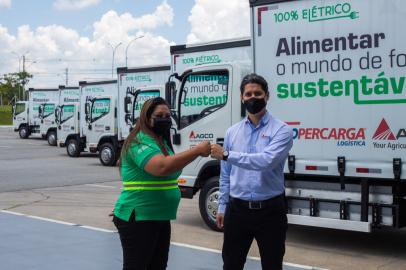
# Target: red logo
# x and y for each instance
(383, 132)
(192, 135)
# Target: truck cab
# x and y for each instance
(20, 118)
(48, 125)
(205, 101)
(67, 120)
(44, 99)
(135, 86)
(101, 124)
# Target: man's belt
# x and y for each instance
(257, 205)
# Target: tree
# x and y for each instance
(12, 85)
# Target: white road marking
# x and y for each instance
(304, 267)
(101, 186)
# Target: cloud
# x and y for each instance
(213, 20)
(5, 3)
(53, 48)
(120, 24)
(74, 4)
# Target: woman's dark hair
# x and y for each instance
(143, 125)
(253, 78)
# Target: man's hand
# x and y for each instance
(204, 148)
(220, 221)
(217, 151)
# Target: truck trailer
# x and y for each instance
(335, 75)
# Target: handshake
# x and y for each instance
(214, 150)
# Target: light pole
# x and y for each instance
(126, 49)
(114, 48)
(20, 57)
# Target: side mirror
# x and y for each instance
(87, 109)
(128, 118)
(127, 104)
(40, 109)
(56, 116)
(170, 88)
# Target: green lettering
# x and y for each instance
(283, 91)
(381, 85)
(321, 83)
(364, 84)
(336, 88)
(397, 88)
(212, 101)
(310, 89)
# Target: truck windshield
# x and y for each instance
(100, 108)
(202, 94)
(67, 112)
(47, 110)
(141, 98)
(19, 108)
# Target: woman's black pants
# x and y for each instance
(145, 243)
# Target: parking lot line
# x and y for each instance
(287, 266)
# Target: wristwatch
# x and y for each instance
(225, 155)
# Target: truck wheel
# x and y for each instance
(23, 132)
(208, 202)
(51, 138)
(72, 148)
(107, 155)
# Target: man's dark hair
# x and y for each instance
(254, 78)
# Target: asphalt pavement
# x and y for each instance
(40, 180)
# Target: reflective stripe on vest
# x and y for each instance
(150, 185)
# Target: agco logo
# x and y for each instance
(384, 133)
(200, 136)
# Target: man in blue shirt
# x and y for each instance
(252, 191)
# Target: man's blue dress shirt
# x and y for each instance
(257, 155)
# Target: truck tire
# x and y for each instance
(107, 155)
(208, 202)
(24, 132)
(51, 138)
(72, 148)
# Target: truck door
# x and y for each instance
(101, 119)
(203, 112)
(66, 119)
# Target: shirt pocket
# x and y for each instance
(264, 139)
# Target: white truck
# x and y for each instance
(97, 117)
(135, 86)
(20, 118)
(202, 110)
(30, 115)
(47, 127)
(335, 74)
(67, 113)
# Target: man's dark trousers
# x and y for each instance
(244, 221)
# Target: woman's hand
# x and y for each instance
(204, 148)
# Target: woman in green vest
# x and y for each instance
(150, 194)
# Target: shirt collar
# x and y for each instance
(264, 120)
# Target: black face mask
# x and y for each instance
(255, 105)
(162, 125)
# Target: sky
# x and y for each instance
(73, 40)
